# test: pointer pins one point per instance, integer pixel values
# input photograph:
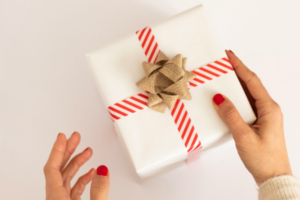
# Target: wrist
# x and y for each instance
(261, 180)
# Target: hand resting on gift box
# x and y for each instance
(59, 174)
(261, 146)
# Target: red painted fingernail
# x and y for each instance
(218, 99)
(102, 170)
(231, 52)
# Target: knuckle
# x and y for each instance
(276, 107)
(69, 174)
(246, 138)
(100, 185)
(77, 161)
(76, 166)
(70, 149)
(71, 167)
(96, 188)
(67, 180)
(231, 115)
(252, 77)
(76, 194)
(81, 182)
(46, 169)
(277, 110)
(67, 177)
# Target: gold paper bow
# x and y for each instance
(166, 80)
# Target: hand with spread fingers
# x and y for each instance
(261, 146)
(59, 172)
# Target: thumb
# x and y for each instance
(100, 184)
(231, 117)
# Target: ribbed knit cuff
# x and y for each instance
(283, 187)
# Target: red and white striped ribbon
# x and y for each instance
(185, 127)
(211, 71)
(179, 112)
(128, 106)
(148, 44)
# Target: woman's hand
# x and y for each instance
(261, 146)
(59, 174)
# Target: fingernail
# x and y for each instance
(86, 149)
(102, 170)
(58, 135)
(218, 99)
(74, 132)
(231, 52)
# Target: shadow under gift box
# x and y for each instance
(151, 139)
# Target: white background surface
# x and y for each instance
(46, 88)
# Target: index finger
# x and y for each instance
(253, 83)
(52, 167)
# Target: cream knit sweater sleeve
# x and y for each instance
(283, 187)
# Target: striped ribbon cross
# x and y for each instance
(179, 112)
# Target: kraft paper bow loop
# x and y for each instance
(166, 80)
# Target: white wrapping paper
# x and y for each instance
(151, 139)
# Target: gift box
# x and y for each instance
(155, 141)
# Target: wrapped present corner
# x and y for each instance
(158, 85)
